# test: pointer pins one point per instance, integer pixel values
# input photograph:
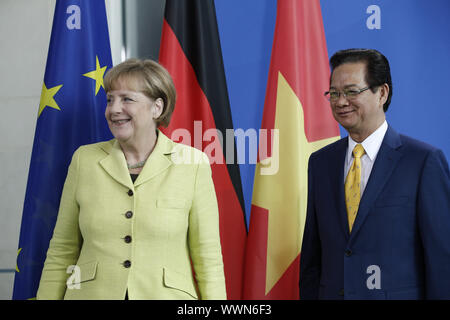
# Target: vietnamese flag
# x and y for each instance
(298, 121)
(190, 50)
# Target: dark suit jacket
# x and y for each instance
(402, 226)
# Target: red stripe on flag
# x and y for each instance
(192, 105)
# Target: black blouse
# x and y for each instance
(134, 176)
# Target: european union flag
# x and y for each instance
(71, 113)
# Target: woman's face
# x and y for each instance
(130, 114)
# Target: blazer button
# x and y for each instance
(127, 239)
(348, 252)
(127, 263)
(130, 192)
(128, 214)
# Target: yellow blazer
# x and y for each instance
(138, 237)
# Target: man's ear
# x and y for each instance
(384, 93)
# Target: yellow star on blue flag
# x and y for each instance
(47, 98)
(97, 75)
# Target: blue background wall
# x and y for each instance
(414, 36)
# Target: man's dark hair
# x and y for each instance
(378, 71)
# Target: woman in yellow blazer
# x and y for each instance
(139, 212)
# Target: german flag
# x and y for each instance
(191, 52)
(298, 121)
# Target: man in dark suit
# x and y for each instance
(378, 217)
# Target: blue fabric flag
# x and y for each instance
(71, 113)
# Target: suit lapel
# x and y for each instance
(116, 165)
(337, 182)
(385, 163)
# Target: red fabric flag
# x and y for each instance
(191, 52)
(298, 121)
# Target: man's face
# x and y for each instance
(360, 115)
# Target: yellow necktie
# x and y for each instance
(352, 186)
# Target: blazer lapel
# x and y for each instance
(385, 163)
(158, 161)
(116, 165)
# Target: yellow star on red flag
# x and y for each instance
(284, 192)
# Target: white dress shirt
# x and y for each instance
(371, 145)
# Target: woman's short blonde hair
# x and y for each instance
(150, 78)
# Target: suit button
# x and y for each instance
(127, 263)
(130, 192)
(348, 252)
(128, 214)
(127, 239)
(341, 292)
